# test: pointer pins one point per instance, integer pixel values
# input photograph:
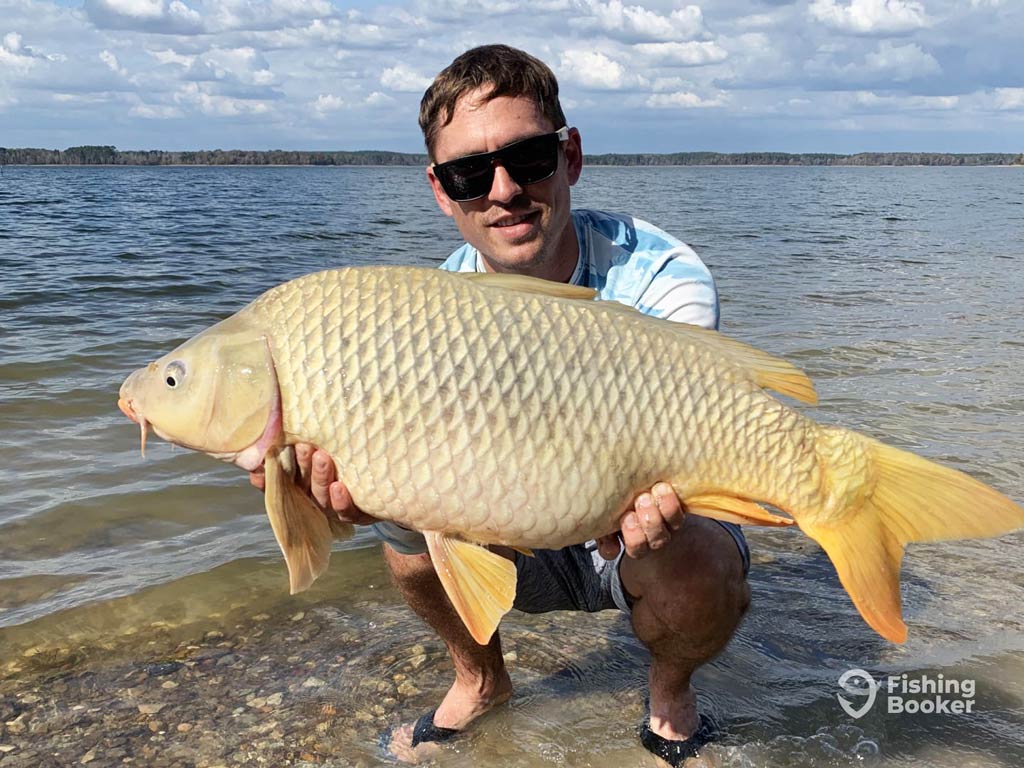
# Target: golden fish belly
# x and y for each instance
(512, 418)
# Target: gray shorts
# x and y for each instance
(575, 578)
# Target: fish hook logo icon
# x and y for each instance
(859, 683)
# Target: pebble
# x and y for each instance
(151, 709)
(163, 668)
(168, 685)
(299, 616)
(313, 682)
(275, 699)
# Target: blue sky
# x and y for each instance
(645, 76)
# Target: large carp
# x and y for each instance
(499, 409)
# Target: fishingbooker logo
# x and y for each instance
(921, 694)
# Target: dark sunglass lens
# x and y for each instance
(466, 178)
(532, 160)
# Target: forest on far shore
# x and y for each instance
(107, 155)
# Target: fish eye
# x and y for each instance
(174, 374)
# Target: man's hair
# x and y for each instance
(504, 71)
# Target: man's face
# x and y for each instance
(526, 229)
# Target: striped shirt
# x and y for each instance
(632, 262)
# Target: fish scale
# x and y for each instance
(498, 409)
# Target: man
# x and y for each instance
(503, 164)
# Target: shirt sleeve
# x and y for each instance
(681, 289)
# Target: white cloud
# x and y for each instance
(873, 100)
(595, 70)
(901, 63)
(202, 97)
(155, 112)
(1009, 98)
(18, 56)
(683, 100)
(888, 62)
(244, 64)
(634, 22)
(111, 61)
(403, 78)
(167, 56)
(378, 99)
(173, 18)
(327, 102)
(689, 54)
(870, 17)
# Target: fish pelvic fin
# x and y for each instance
(907, 499)
(302, 530)
(480, 584)
(731, 509)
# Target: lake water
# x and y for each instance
(900, 291)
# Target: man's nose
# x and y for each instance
(504, 188)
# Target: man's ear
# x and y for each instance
(442, 199)
(573, 156)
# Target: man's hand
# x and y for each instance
(655, 516)
(319, 479)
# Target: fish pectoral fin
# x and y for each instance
(480, 584)
(731, 509)
(301, 529)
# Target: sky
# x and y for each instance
(651, 76)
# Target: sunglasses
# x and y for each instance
(527, 162)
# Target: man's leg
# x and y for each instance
(688, 599)
(481, 680)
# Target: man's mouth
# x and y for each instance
(511, 221)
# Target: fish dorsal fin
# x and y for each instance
(525, 284)
(301, 529)
(480, 584)
(769, 372)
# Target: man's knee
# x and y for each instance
(694, 590)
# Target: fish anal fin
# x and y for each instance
(731, 509)
(301, 529)
(480, 584)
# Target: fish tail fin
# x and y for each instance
(906, 498)
(302, 530)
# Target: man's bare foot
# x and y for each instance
(461, 706)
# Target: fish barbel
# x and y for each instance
(499, 409)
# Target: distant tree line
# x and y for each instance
(807, 158)
(107, 155)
